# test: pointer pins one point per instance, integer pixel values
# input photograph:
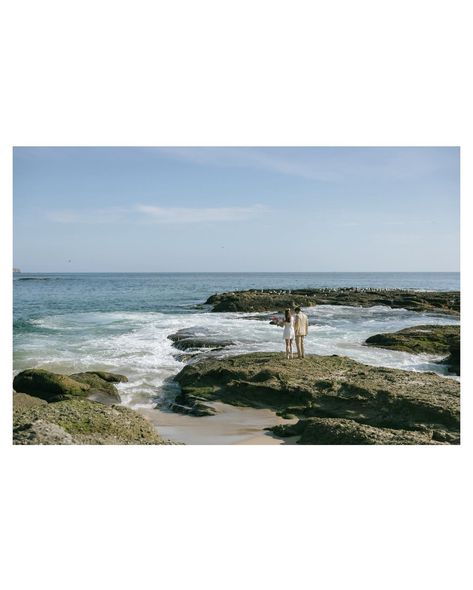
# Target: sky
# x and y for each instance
(236, 209)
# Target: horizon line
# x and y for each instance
(235, 272)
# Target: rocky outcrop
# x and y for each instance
(340, 431)
(192, 405)
(40, 432)
(100, 389)
(49, 386)
(54, 409)
(106, 376)
(197, 342)
(446, 302)
(78, 421)
(453, 359)
(441, 340)
(54, 387)
(197, 338)
(424, 405)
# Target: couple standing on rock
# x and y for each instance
(295, 327)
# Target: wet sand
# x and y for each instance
(230, 426)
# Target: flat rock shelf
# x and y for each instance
(335, 399)
(257, 300)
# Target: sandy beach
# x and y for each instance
(231, 425)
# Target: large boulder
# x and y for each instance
(51, 387)
(54, 387)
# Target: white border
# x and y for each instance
(227, 73)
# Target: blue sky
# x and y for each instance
(236, 209)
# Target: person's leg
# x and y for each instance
(290, 348)
(287, 348)
(298, 346)
(302, 347)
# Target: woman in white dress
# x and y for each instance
(288, 332)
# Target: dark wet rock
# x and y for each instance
(100, 389)
(262, 317)
(187, 403)
(340, 431)
(329, 387)
(78, 421)
(453, 359)
(193, 343)
(445, 302)
(424, 339)
(196, 338)
(49, 386)
(418, 339)
(184, 357)
(54, 387)
(109, 377)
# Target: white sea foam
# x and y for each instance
(137, 345)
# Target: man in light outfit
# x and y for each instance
(301, 327)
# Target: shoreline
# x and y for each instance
(234, 424)
(231, 425)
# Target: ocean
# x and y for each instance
(120, 322)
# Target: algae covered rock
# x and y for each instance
(24, 401)
(79, 421)
(340, 431)
(430, 339)
(106, 376)
(189, 404)
(100, 389)
(258, 300)
(40, 432)
(49, 386)
(453, 359)
(332, 387)
(54, 387)
(59, 411)
(198, 337)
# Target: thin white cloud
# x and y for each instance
(274, 160)
(324, 164)
(91, 216)
(408, 222)
(156, 214)
(199, 215)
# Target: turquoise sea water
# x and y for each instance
(121, 321)
(40, 295)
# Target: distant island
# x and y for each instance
(16, 269)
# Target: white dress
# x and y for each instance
(288, 331)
